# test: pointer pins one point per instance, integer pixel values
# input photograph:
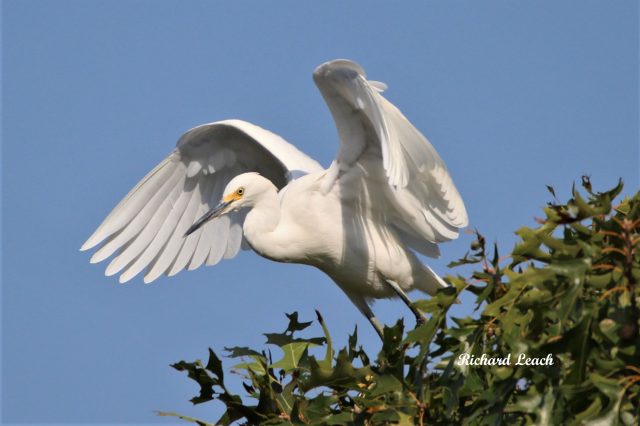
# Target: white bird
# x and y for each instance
(386, 196)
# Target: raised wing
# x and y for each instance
(147, 227)
(374, 134)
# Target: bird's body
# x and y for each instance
(386, 196)
(298, 225)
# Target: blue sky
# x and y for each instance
(514, 96)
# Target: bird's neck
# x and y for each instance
(261, 223)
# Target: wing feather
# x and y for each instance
(167, 253)
(374, 135)
(162, 236)
(220, 227)
(151, 228)
(199, 207)
(132, 203)
(146, 229)
(234, 241)
(137, 220)
(204, 242)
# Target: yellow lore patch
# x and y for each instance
(234, 196)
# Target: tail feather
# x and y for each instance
(432, 283)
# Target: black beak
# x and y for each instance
(219, 210)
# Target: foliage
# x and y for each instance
(570, 290)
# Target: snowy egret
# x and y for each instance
(231, 184)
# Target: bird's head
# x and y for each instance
(242, 191)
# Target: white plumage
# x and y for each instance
(387, 194)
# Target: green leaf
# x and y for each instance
(257, 365)
(281, 339)
(573, 269)
(215, 365)
(237, 352)
(609, 329)
(592, 410)
(328, 357)
(185, 418)
(278, 339)
(385, 384)
(384, 417)
(292, 354)
(196, 372)
(317, 409)
(294, 324)
(424, 333)
(341, 418)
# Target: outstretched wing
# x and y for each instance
(147, 227)
(376, 137)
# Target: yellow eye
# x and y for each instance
(240, 191)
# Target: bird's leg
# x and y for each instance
(420, 319)
(366, 310)
(376, 325)
(362, 305)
